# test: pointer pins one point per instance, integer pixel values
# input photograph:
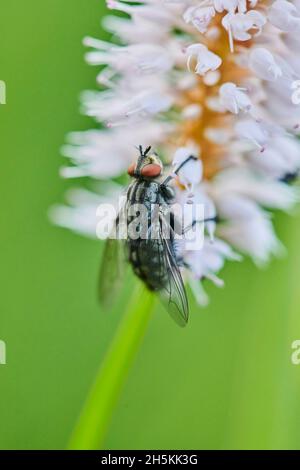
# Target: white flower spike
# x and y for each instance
(173, 80)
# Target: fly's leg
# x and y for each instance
(176, 226)
(211, 221)
(176, 171)
(195, 222)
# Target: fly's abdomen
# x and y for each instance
(148, 262)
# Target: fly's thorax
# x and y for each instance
(144, 191)
(146, 203)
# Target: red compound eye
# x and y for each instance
(131, 169)
(151, 170)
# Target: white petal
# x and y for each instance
(205, 59)
(234, 99)
(263, 64)
(285, 16)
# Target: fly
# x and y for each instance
(154, 259)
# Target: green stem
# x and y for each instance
(91, 429)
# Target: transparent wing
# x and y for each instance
(113, 265)
(173, 294)
(111, 271)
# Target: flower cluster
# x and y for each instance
(214, 78)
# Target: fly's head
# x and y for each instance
(148, 165)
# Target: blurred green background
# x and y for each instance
(225, 382)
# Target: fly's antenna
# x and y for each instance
(143, 153)
(142, 156)
(147, 150)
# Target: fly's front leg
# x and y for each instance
(176, 171)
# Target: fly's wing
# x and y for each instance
(113, 265)
(173, 294)
(111, 271)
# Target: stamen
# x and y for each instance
(231, 43)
